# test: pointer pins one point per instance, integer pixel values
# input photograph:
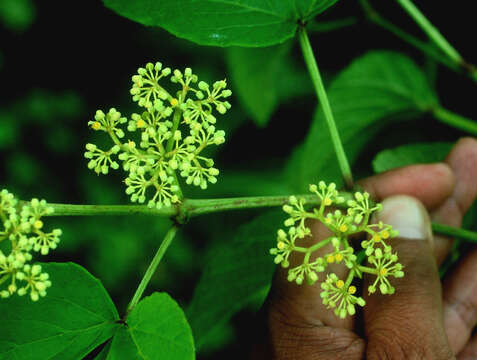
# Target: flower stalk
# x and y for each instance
(325, 105)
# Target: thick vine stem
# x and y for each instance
(325, 105)
(182, 212)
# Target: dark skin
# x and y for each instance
(424, 319)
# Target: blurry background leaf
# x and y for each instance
(76, 316)
(17, 15)
(223, 23)
(264, 77)
(411, 154)
(235, 272)
(376, 88)
(8, 130)
(157, 329)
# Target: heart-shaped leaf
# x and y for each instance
(156, 330)
(223, 22)
(75, 317)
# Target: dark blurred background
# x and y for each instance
(60, 61)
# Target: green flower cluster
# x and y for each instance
(22, 226)
(355, 221)
(172, 130)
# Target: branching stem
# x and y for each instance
(195, 207)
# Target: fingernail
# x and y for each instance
(407, 215)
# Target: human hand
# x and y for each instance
(419, 321)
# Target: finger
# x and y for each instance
(299, 325)
(460, 303)
(303, 302)
(470, 350)
(407, 324)
(431, 184)
(463, 162)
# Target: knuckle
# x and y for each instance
(387, 344)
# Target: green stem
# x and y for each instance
(4, 278)
(431, 30)
(326, 26)
(175, 124)
(93, 210)
(455, 120)
(350, 278)
(195, 207)
(374, 17)
(170, 143)
(325, 105)
(467, 235)
(192, 207)
(319, 245)
(152, 268)
(366, 269)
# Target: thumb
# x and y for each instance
(409, 323)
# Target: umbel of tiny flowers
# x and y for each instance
(172, 131)
(22, 233)
(337, 293)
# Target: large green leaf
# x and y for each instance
(156, 330)
(263, 77)
(420, 153)
(223, 22)
(236, 272)
(76, 316)
(376, 88)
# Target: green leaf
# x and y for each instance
(261, 77)
(76, 316)
(156, 329)
(420, 153)
(375, 89)
(223, 22)
(17, 15)
(104, 352)
(236, 272)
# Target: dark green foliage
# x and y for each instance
(411, 154)
(157, 330)
(373, 90)
(76, 316)
(223, 23)
(236, 272)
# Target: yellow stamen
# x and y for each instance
(174, 101)
(140, 123)
(339, 284)
(383, 271)
(344, 228)
(351, 290)
(330, 259)
(327, 201)
(339, 257)
(376, 238)
(38, 224)
(96, 125)
(280, 245)
(385, 234)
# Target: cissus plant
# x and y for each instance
(164, 149)
(173, 132)
(337, 293)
